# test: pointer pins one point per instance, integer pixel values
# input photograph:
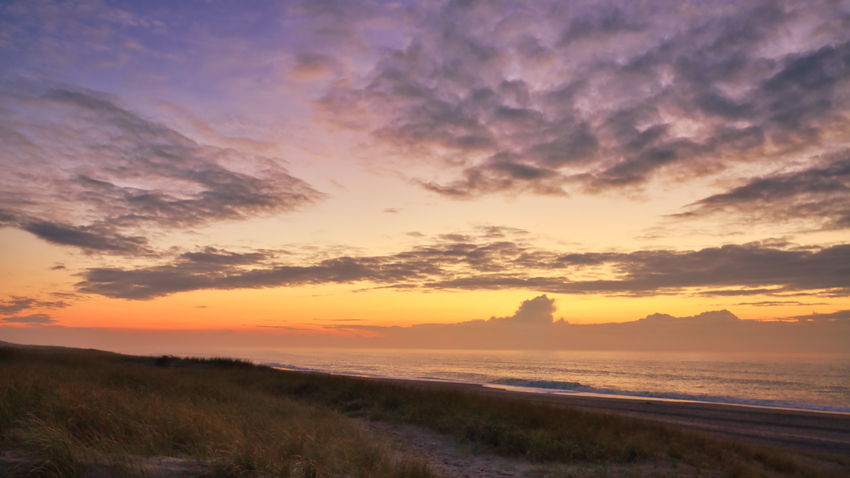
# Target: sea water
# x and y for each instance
(806, 381)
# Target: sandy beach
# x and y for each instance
(800, 429)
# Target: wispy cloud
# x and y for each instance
(818, 196)
(15, 304)
(841, 314)
(463, 262)
(34, 319)
(82, 171)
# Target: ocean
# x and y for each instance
(801, 381)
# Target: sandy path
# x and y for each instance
(448, 457)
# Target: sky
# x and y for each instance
(348, 168)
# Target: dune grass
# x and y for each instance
(65, 407)
(544, 432)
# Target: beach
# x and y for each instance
(803, 430)
(234, 416)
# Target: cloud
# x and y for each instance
(818, 196)
(536, 311)
(716, 317)
(34, 319)
(492, 232)
(17, 304)
(211, 255)
(99, 237)
(481, 262)
(531, 328)
(312, 66)
(841, 314)
(187, 275)
(84, 172)
(517, 97)
(779, 303)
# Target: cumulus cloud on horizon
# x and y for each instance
(536, 311)
(718, 330)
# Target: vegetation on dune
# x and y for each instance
(62, 408)
(544, 432)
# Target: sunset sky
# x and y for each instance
(289, 167)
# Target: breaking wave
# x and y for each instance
(552, 386)
(547, 384)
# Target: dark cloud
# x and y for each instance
(84, 172)
(841, 314)
(734, 266)
(779, 303)
(819, 195)
(99, 237)
(600, 25)
(738, 292)
(211, 255)
(15, 304)
(463, 262)
(499, 231)
(545, 98)
(34, 319)
(187, 275)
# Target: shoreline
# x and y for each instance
(624, 396)
(613, 394)
(805, 430)
(461, 429)
(801, 429)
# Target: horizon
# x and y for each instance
(352, 171)
(532, 327)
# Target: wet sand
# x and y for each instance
(800, 429)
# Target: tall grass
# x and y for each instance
(65, 407)
(544, 432)
(65, 410)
